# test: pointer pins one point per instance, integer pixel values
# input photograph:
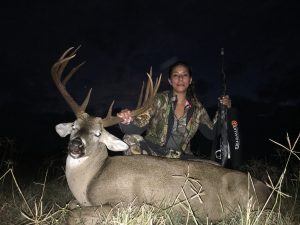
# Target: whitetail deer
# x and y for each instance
(98, 180)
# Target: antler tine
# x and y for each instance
(57, 71)
(73, 71)
(147, 98)
(110, 110)
(85, 102)
(157, 82)
(141, 96)
(149, 83)
(65, 60)
(142, 107)
(110, 120)
(141, 101)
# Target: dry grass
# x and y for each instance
(46, 202)
(38, 203)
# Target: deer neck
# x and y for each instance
(80, 172)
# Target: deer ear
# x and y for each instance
(63, 129)
(112, 142)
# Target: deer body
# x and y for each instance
(154, 180)
(96, 179)
(204, 189)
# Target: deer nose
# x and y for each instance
(76, 146)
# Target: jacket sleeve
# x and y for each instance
(211, 128)
(207, 127)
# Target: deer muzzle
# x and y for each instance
(76, 148)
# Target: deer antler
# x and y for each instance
(56, 72)
(142, 106)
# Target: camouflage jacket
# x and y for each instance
(158, 121)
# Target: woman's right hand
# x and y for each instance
(126, 115)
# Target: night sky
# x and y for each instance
(121, 40)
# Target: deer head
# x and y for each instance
(89, 130)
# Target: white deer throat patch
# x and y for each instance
(71, 162)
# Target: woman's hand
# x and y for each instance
(126, 115)
(225, 100)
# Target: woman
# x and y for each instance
(171, 121)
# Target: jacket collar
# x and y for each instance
(172, 99)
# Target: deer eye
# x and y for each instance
(97, 134)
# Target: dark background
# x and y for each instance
(121, 40)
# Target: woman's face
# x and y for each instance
(180, 79)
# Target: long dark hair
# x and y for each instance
(191, 94)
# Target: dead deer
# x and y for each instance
(95, 179)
